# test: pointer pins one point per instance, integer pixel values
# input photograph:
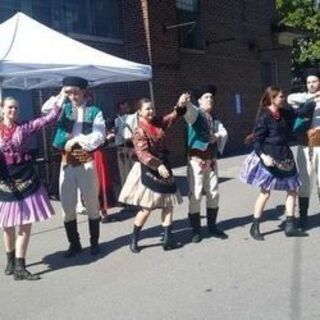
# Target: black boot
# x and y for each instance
(10, 263)
(73, 238)
(303, 213)
(212, 226)
(133, 245)
(21, 273)
(291, 230)
(195, 223)
(168, 242)
(94, 230)
(255, 230)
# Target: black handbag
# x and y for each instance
(152, 180)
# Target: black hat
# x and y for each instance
(200, 91)
(312, 72)
(75, 82)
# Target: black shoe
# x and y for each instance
(73, 250)
(213, 230)
(217, 233)
(168, 242)
(21, 273)
(133, 245)
(291, 230)
(196, 238)
(94, 230)
(195, 222)
(10, 263)
(255, 230)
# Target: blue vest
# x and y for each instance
(67, 120)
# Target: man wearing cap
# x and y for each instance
(308, 153)
(206, 137)
(80, 131)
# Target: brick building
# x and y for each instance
(188, 43)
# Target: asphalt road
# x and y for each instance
(238, 278)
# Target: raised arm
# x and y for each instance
(45, 120)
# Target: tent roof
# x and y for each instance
(35, 56)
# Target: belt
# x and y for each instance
(76, 157)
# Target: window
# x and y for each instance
(8, 8)
(190, 35)
(188, 5)
(102, 18)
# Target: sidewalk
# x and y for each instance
(234, 279)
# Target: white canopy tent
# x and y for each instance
(33, 56)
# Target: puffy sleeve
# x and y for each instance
(191, 114)
(222, 136)
(41, 122)
(142, 149)
(260, 133)
(96, 138)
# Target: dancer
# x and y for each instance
(308, 153)
(80, 131)
(150, 183)
(23, 200)
(206, 138)
(271, 165)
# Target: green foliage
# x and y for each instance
(305, 16)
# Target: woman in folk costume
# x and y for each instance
(79, 134)
(271, 165)
(150, 183)
(23, 200)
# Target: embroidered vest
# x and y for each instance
(67, 120)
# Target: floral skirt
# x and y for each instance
(255, 173)
(135, 193)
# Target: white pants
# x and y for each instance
(308, 162)
(83, 177)
(125, 163)
(202, 181)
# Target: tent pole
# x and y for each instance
(1, 81)
(151, 91)
(45, 144)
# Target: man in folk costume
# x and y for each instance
(308, 153)
(206, 137)
(80, 132)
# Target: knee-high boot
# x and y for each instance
(168, 241)
(195, 222)
(10, 263)
(214, 231)
(255, 230)
(133, 245)
(94, 230)
(291, 230)
(20, 271)
(73, 238)
(303, 213)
